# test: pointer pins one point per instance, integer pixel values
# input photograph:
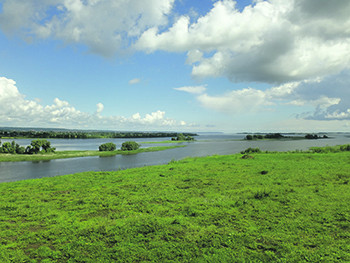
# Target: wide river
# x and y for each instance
(204, 145)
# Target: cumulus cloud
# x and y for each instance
(328, 103)
(134, 81)
(193, 89)
(16, 110)
(99, 107)
(238, 101)
(274, 41)
(104, 26)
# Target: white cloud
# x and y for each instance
(134, 81)
(104, 26)
(99, 107)
(237, 101)
(16, 111)
(250, 100)
(338, 115)
(192, 89)
(274, 41)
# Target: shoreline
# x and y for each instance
(4, 157)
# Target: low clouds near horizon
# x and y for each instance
(14, 108)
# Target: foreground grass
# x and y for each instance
(267, 207)
(73, 154)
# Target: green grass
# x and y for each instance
(73, 154)
(270, 207)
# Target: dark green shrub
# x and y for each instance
(20, 150)
(249, 137)
(109, 146)
(251, 150)
(130, 146)
(311, 136)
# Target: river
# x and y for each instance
(205, 145)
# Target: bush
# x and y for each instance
(251, 150)
(130, 146)
(109, 146)
(311, 136)
(249, 137)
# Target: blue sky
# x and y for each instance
(176, 65)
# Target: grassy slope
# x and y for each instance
(72, 154)
(213, 209)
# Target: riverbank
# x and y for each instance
(266, 207)
(73, 154)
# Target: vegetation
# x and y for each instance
(34, 148)
(275, 207)
(84, 134)
(280, 136)
(251, 150)
(109, 146)
(74, 154)
(182, 137)
(266, 136)
(315, 136)
(130, 146)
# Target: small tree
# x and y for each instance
(36, 144)
(249, 137)
(130, 146)
(181, 137)
(109, 146)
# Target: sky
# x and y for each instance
(176, 65)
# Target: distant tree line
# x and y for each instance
(315, 136)
(36, 146)
(85, 135)
(279, 136)
(266, 136)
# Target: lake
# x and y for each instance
(220, 144)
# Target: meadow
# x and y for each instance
(251, 207)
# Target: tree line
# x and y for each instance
(85, 135)
(35, 147)
(266, 136)
(279, 136)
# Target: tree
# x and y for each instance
(7, 148)
(36, 145)
(249, 137)
(109, 146)
(311, 136)
(181, 137)
(46, 145)
(130, 146)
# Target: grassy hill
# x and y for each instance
(265, 207)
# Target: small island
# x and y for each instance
(277, 136)
(41, 150)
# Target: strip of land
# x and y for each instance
(251, 207)
(73, 154)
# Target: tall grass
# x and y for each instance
(212, 209)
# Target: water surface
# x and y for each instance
(204, 146)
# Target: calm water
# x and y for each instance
(204, 146)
